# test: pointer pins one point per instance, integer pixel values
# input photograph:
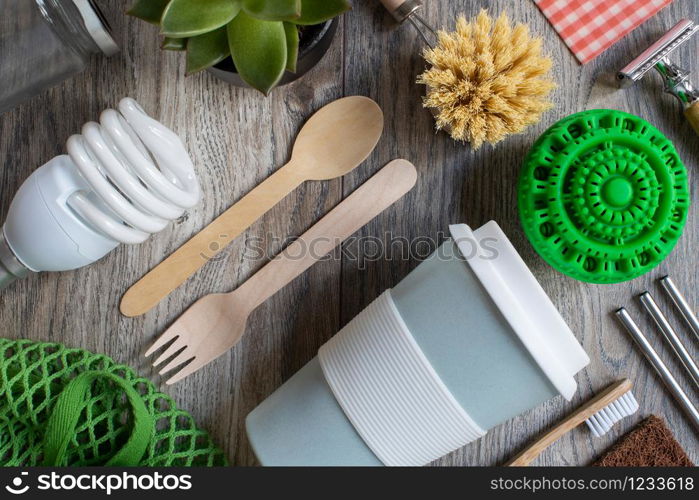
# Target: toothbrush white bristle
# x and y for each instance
(603, 420)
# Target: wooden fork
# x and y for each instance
(216, 323)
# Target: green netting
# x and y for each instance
(33, 375)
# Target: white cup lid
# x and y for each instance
(523, 303)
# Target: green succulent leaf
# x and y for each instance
(174, 43)
(188, 18)
(259, 50)
(273, 10)
(319, 11)
(150, 11)
(205, 50)
(292, 46)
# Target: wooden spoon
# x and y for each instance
(332, 143)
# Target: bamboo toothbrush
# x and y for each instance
(600, 414)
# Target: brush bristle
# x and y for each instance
(603, 420)
(487, 80)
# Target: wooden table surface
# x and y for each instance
(237, 138)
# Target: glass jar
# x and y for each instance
(43, 42)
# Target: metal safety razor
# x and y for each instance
(676, 78)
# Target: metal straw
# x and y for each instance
(670, 336)
(681, 303)
(652, 356)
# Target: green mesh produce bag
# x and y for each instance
(61, 406)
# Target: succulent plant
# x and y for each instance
(261, 36)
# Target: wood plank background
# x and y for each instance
(237, 138)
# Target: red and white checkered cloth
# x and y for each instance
(589, 27)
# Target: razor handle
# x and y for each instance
(692, 114)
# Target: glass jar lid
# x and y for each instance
(97, 26)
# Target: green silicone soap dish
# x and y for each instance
(603, 196)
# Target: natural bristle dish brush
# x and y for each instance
(486, 80)
(600, 414)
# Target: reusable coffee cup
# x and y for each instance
(467, 341)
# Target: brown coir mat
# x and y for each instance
(649, 444)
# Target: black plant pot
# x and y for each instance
(313, 44)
